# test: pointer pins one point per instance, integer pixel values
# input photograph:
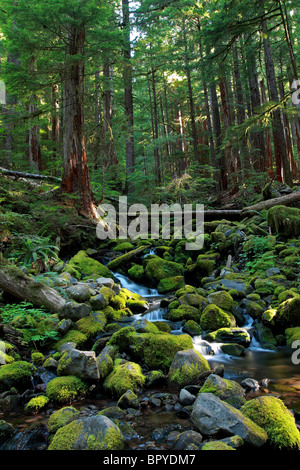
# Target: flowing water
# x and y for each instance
(149, 428)
(257, 363)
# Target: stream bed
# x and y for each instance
(156, 428)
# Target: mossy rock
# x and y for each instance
(274, 417)
(124, 247)
(66, 389)
(36, 404)
(216, 445)
(170, 284)
(157, 269)
(192, 328)
(72, 336)
(214, 318)
(162, 326)
(186, 367)
(292, 334)
(18, 375)
(61, 418)
(233, 349)
(92, 433)
(127, 376)
(136, 273)
(222, 299)
(83, 265)
(195, 300)
(6, 431)
(285, 221)
(288, 314)
(229, 335)
(92, 325)
(185, 312)
(137, 306)
(207, 263)
(187, 289)
(227, 390)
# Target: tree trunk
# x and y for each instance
(218, 136)
(14, 282)
(76, 178)
(278, 132)
(127, 76)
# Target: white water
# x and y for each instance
(143, 291)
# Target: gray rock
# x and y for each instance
(98, 302)
(272, 272)
(74, 311)
(186, 398)
(211, 416)
(105, 281)
(82, 364)
(80, 293)
(64, 326)
(250, 384)
(128, 400)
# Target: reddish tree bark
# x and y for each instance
(76, 178)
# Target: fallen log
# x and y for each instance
(20, 174)
(16, 283)
(278, 201)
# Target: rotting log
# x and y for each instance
(20, 174)
(16, 283)
(278, 201)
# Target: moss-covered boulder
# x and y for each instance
(184, 312)
(136, 273)
(193, 299)
(288, 314)
(83, 265)
(93, 433)
(285, 221)
(186, 366)
(61, 418)
(105, 361)
(214, 317)
(6, 431)
(292, 334)
(221, 299)
(227, 390)
(76, 337)
(229, 335)
(170, 284)
(18, 375)
(157, 269)
(233, 349)
(274, 417)
(36, 404)
(192, 328)
(66, 389)
(216, 445)
(125, 376)
(92, 325)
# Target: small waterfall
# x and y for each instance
(143, 291)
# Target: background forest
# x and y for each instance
(164, 101)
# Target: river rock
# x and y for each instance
(74, 311)
(186, 438)
(82, 364)
(105, 281)
(211, 416)
(92, 433)
(186, 398)
(105, 361)
(186, 366)
(6, 431)
(227, 390)
(250, 384)
(80, 293)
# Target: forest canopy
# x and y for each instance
(165, 101)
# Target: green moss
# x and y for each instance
(36, 404)
(124, 247)
(221, 299)
(288, 313)
(285, 220)
(66, 436)
(216, 445)
(292, 334)
(187, 289)
(127, 376)
(273, 416)
(185, 312)
(170, 284)
(188, 373)
(157, 269)
(82, 264)
(61, 418)
(163, 326)
(214, 318)
(37, 358)
(91, 325)
(136, 272)
(65, 389)
(72, 336)
(192, 328)
(17, 374)
(119, 301)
